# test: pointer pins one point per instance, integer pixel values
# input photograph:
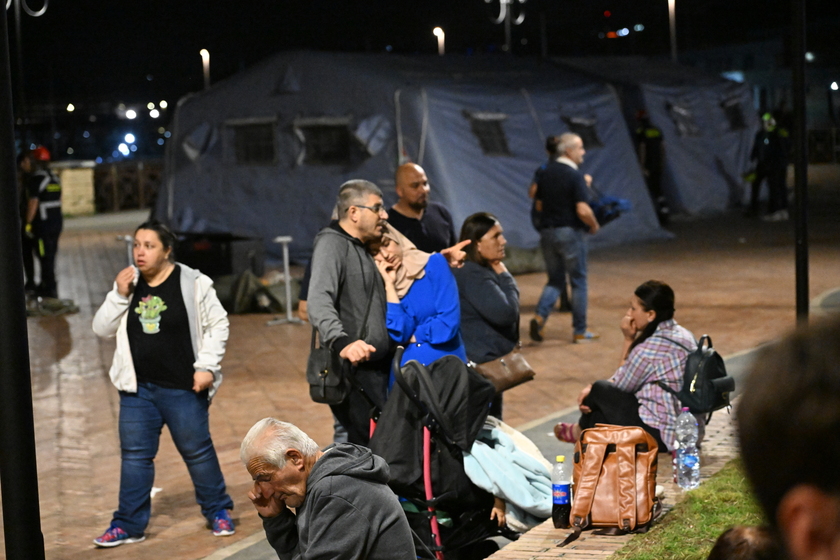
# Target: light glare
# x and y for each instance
(129, 138)
(163, 104)
(834, 86)
(70, 107)
(131, 114)
(154, 113)
(123, 148)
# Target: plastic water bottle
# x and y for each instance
(561, 492)
(687, 463)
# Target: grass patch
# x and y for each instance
(690, 529)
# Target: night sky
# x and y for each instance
(134, 51)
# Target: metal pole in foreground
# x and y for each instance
(800, 204)
(18, 469)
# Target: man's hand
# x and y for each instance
(356, 352)
(125, 281)
(455, 254)
(202, 380)
(269, 506)
(588, 178)
(583, 394)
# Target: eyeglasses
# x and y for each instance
(376, 208)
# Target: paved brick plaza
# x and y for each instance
(733, 278)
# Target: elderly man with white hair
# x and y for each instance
(343, 505)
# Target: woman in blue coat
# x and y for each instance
(424, 314)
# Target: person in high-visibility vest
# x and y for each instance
(43, 217)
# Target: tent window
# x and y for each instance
(326, 141)
(734, 114)
(683, 119)
(254, 143)
(488, 128)
(585, 128)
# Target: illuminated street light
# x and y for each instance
(834, 86)
(131, 114)
(205, 62)
(163, 104)
(673, 23)
(70, 107)
(154, 113)
(441, 37)
(150, 105)
(129, 138)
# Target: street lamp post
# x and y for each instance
(441, 37)
(506, 16)
(673, 24)
(205, 62)
(21, 108)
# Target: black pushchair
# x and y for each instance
(432, 416)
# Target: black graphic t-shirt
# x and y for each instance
(159, 334)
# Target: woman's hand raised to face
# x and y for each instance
(388, 272)
(628, 327)
(125, 281)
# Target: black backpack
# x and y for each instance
(705, 386)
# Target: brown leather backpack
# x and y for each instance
(614, 481)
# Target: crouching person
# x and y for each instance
(343, 505)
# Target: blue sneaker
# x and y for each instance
(115, 536)
(223, 524)
(586, 337)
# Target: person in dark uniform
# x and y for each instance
(425, 223)
(43, 217)
(27, 238)
(770, 152)
(650, 148)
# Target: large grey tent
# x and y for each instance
(263, 153)
(707, 122)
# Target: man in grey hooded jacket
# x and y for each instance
(344, 278)
(343, 505)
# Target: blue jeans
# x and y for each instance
(142, 416)
(564, 247)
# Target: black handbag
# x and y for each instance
(328, 374)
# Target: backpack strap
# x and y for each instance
(684, 347)
(593, 460)
(626, 454)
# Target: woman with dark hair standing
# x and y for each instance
(488, 294)
(653, 351)
(171, 333)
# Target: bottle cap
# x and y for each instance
(685, 409)
(560, 458)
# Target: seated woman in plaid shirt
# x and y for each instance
(631, 397)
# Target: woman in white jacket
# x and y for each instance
(171, 332)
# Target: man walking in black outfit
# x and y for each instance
(43, 217)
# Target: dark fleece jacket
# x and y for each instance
(349, 512)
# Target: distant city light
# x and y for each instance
(623, 32)
(638, 27)
(154, 113)
(123, 149)
(389, 48)
(98, 160)
(86, 134)
(70, 151)
(70, 107)
(607, 13)
(834, 86)
(150, 105)
(161, 130)
(133, 148)
(612, 35)
(160, 141)
(163, 104)
(92, 118)
(809, 56)
(131, 114)
(129, 138)
(115, 154)
(601, 35)
(167, 134)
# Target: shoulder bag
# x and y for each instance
(507, 372)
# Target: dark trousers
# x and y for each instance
(611, 405)
(47, 249)
(355, 412)
(29, 246)
(776, 189)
